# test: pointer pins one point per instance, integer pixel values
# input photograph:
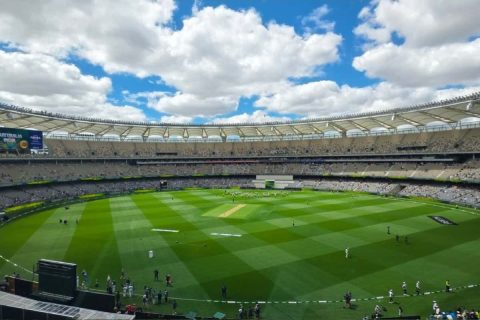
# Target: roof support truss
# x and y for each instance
(383, 124)
(410, 121)
(439, 118)
(126, 132)
(466, 112)
(360, 127)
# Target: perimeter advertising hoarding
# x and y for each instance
(20, 140)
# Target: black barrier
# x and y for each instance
(95, 300)
(23, 287)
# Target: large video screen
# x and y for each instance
(20, 140)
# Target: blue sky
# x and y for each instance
(235, 61)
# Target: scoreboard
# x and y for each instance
(20, 140)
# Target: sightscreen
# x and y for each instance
(20, 140)
(269, 184)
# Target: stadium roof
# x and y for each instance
(447, 111)
(59, 310)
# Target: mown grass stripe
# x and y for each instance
(46, 239)
(94, 237)
(178, 251)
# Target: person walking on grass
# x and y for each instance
(348, 300)
(224, 292)
(390, 296)
(257, 310)
(404, 288)
(174, 306)
(168, 280)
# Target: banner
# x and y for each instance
(20, 140)
(442, 220)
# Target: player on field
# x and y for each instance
(404, 288)
(224, 292)
(377, 311)
(168, 280)
(174, 306)
(417, 287)
(348, 300)
(390, 296)
(347, 253)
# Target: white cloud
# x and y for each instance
(257, 116)
(176, 119)
(42, 82)
(422, 23)
(192, 105)
(97, 29)
(219, 54)
(222, 52)
(197, 4)
(325, 98)
(439, 46)
(457, 63)
(316, 21)
(184, 104)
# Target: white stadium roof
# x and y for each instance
(447, 111)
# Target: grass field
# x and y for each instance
(269, 259)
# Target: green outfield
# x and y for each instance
(286, 249)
